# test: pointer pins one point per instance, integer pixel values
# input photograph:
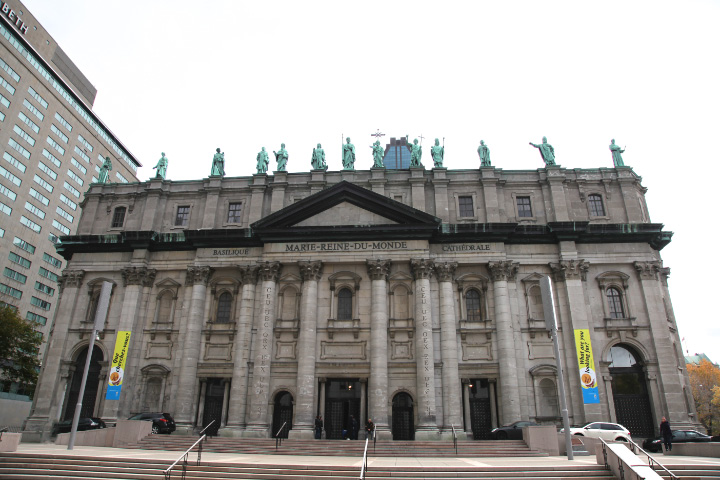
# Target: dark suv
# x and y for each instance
(86, 423)
(162, 422)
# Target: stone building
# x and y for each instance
(407, 296)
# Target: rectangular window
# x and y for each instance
(20, 149)
(43, 183)
(10, 176)
(235, 213)
(26, 120)
(2, 117)
(7, 192)
(7, 86)
(30, 224)
(8, 290)
(121, 178)
(56, 146)
(2, 232)
(53, 238)
(28, 247)
(4, 101)
(17, 276)
(9, 70)
(41, 287)
(63, 122)
(82, 154)
(14, 162)
(26, 136)
(64, 214)
(48, 274)
(37, 97)
(77, 165)
(75, 177)
(57, 132)
(39, 196)
(33, 110)
(182, 217)
(34, 317)
(68, 202)
(118, 217)
(22, 261)
(52, 260)
(85, 143)
(34, 210)
(51, 173)
(72, 190)
(5, 209)
(524, 207)
(52, 158)
(65, 230)
(40, 303)
(596, 205)
(466, 206)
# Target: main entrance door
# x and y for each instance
(282, 414)
(342, 399)
(480, 417)
(403, 418)
(630, 395)
(91, 385)
(214, 395)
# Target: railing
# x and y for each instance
(651, 460)
(374, 435)
(363, 469)
(206, 427)
(184, 458)
(454, 438)
(622, 463)
(278, 438)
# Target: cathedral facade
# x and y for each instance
(409, 297)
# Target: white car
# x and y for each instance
(607, 431)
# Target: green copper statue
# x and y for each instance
(616, 151)
(218, 165)
(546, 151)
(262, 161)
(318, 158)
(281, 158)
(484, 153)
(378, 153)
(161, 167)
(415, 154)
(437, 153)
(104, 176)
(348, 155)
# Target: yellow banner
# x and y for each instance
(117, 369)
(586, 361)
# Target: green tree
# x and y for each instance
(19, 342)
(705, 381)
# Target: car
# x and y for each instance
(84, 423)
(610, 432)
(679, 436)
(162, 422)
(511, 432)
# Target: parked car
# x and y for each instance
(679, 436)
(510, 432)
(162, 422)
(607, 431)
(86, 423)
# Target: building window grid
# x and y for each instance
(121, 178)
(13, 74)
(40, 303)
(20, 243)
(13, 275)
(77, 165)
(37, 97)
(465, 204)
(49, 171)
(235, 213)
(597, 209)
(19, 148)
(62, 228)
(22, 261)
(52, 260)
(7, 86)
(34, 210)
(43, 183)
(524, 207)
(34, 317)
(39, 196)
(33, 109)
(30, 224)
(53, 238)
(15, 180)
(60, 211)
(74, 177)
(7, 192)
(55, 145)
(182, 217)
(4, 101)
(87, 145)
(68, 202)
(8, 290)
(26, 120)
(24, 135)
(2, 117)
(5, 209)
(72, 189)
(52, 158)
(63, 122)
(118, 217)
(57, 132)
(41, 287)
(44, 272)
(82, 154)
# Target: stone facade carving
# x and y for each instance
(422, 268)
(648, 270)
(378, 269)
(310, 270)
(504, 270)
(269, 271)
(249, 274)
(664, 275)
(445, 271)
(138, 276)
(570, 269)
(198, 275)
(71, 278)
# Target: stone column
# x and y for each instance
(226, 397)
(189, 351)
(427, 424)
(378, 271)
(363, 402)
(258, 425)
(238, 386)
(304, 424)
(493, 404)
(201, 404)
(323, 384)
(607, 380)
(466, 404)
(452, 406)
(502, 272)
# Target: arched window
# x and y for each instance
(165, 307)
(344, 304)
(615, 304)
(596, 206)
(535, 305)
(472, 303)
(223, 310)
(118, 217)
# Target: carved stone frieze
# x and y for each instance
(198, 275)
(269, 271)
(138, 276)
(310, 270)
(445, 271)
(422, 268)
(570, 269)
(648, 270)
(504, 270)
(378, 269)
(249, 274)
(71, 278)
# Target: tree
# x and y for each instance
(19, 343)
(705, 384)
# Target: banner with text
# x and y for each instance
(117, 369)
(588, 378)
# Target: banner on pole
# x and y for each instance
(588, 378)
(117, 369)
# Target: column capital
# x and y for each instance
(71, 278)
(445, 271)
(503, 270)
(248, 274)
(310, 270)
(422, 268)
(197, 275)
(378, 269)
(664, 274)
(648, 270)
(269, 271)
(138, 276)
(570, 269)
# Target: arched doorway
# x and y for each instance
(480, 414)
(282, 413)
(630, 392)
(403, 418)
(91, 385)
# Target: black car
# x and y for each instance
(86, 423)
(678, 436)
(511, 432)
(162, 422)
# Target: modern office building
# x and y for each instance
(52, 145)
(409, 296)
(397, 153)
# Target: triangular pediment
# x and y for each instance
(345, 213)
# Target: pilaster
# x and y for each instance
(257, 197)
(417, 181)
(278, 186)
(451, 392)
(378, 271)
(440, 184)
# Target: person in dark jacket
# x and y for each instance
(318, 427)
(370, 428)
(666, 434)
(353, 428)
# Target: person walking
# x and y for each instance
(318, 427)
(370, 428)
(353, 428)
(666, 434)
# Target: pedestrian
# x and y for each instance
(353, 428)
(318, 427)
(370, 428)
(666, 434)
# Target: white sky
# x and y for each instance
(185, 77)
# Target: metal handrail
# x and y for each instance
(363, 469)
(454, 438)
(374, 434)
(184, 457)
(651, 460)
(206, 427)
(278, 439)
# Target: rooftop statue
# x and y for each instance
(218, 165)
(281, 158)
(262, 161)
(484, 153)
(378, 153)
(437, 153)
(415, 154)
(161, 167)
(616, 151)
(104, 176)
(318, 158)
(348, 155)
(546, 151)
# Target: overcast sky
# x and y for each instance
(186, 77)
